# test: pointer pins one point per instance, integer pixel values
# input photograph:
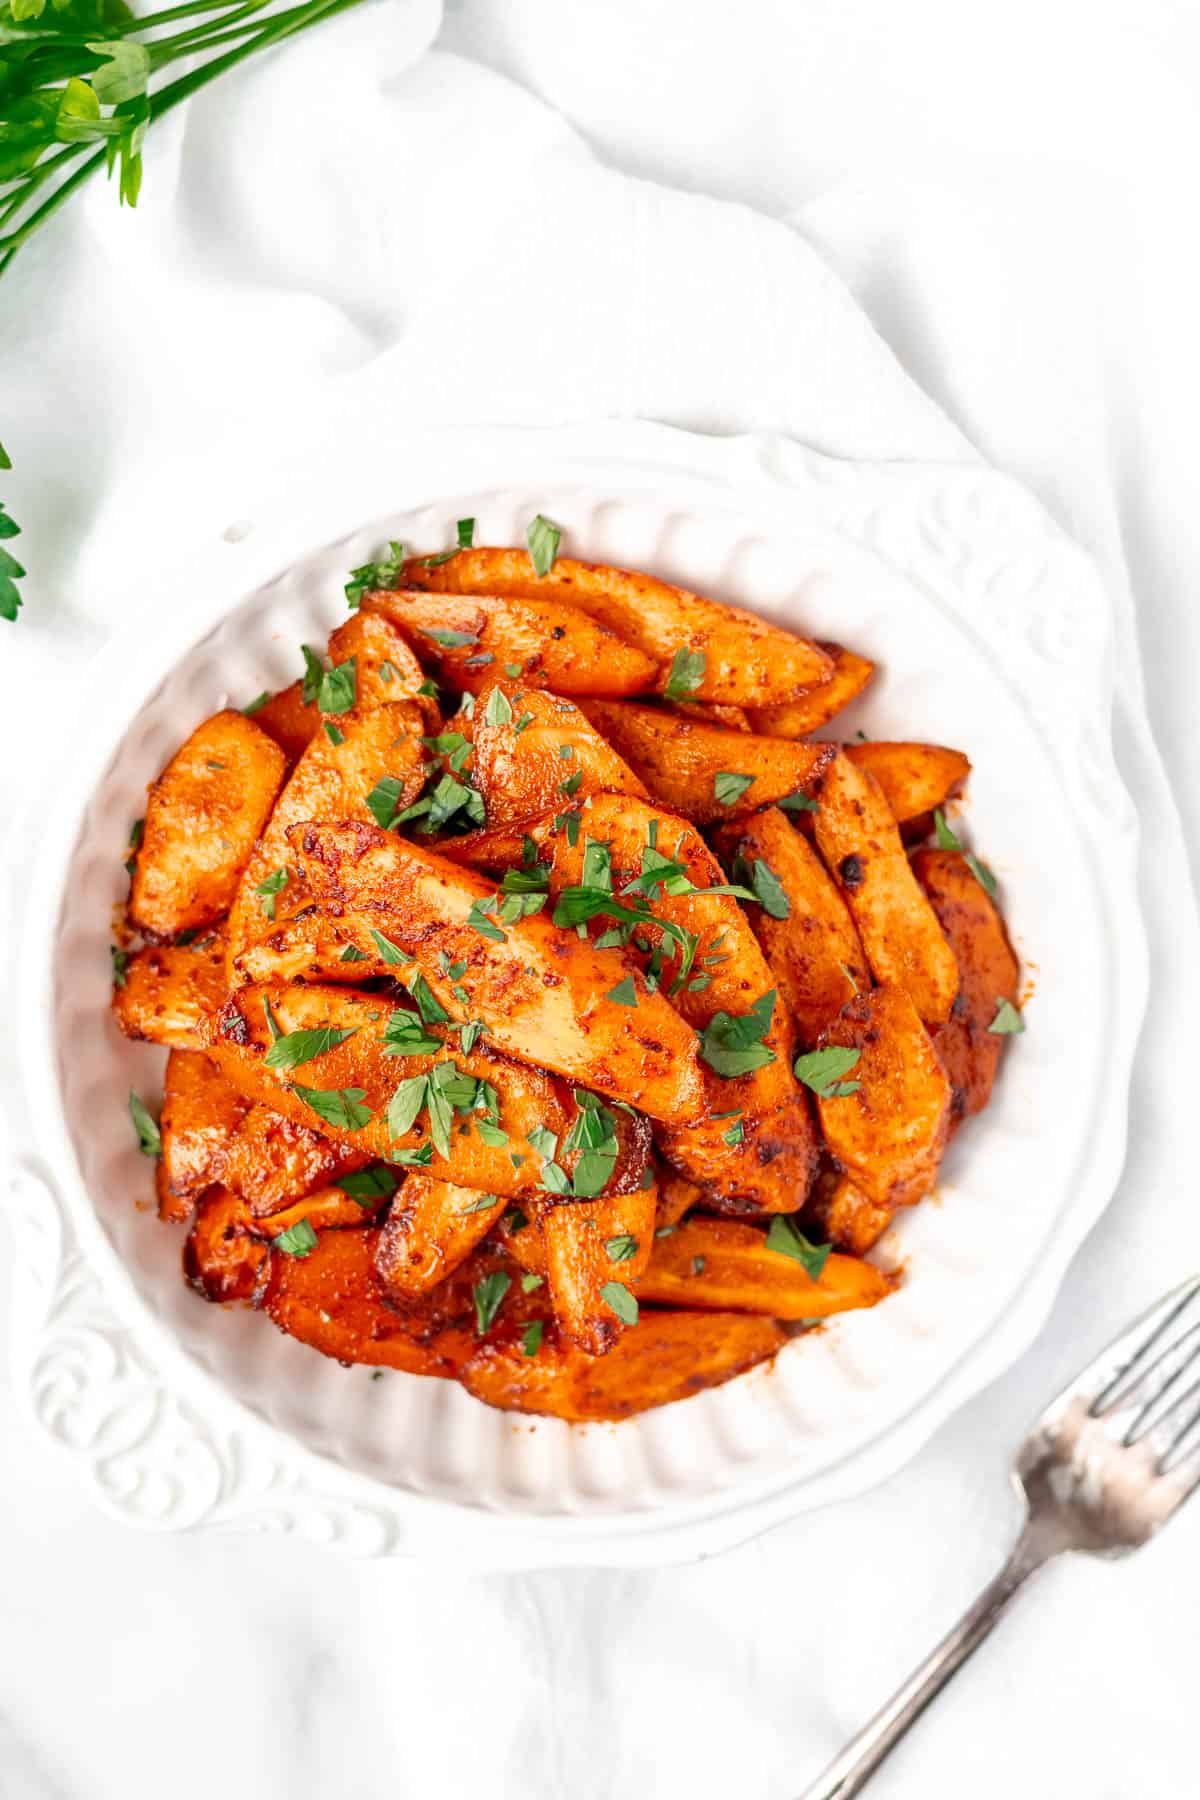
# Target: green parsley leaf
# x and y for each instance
(466, 533)
(484, 1203)
(430, 1009)
(339, 688)
(470, 1034)
(387, 672)
(429, 688)
(797, 803)
(982, 874)
(543, 1141)
(530, 1283)
(531, 1337)
(256, 705)
(498, 710)
(943, 836)
(385, 573)
(698, 1265)
(732, 1044)
(594, 1134)
(120, 965)
(391, 953)
(687, 673)
(268, 889)
(314, 674)
(617, 1296)
(405, 1035)
(352, 954)
(148, 1136)
(1008, 1022)
(543, 539)
(736, 1134)
(383, 801)
(488, 1295)
(767, 889)
(729, 786)
(786, 1237)
(406, 1104)
(333, 732)
(514, 671)
(492, 1135)
(622, 1247)
(625, 992)
(367, 1187)
(555, 1178)
(526, 881)
(418, 1158)
(298, 1240)
(822, 1071)
(296, 1047)
(339, 1107)
(453, 640)
(478, 920)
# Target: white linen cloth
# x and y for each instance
(359, 222)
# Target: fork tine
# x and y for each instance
(1185, 1443)
(1122, 1367)
(1166, 1396)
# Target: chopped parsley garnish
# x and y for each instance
(298, 1240)
(514, 671)
(478, 920)
(729, 786)
(484, 1203)
(367, 1187)
(339, 688)
(384, 573)
(594, 1134)
(430, 1008)
(687, 673)
(491, 1134)
(531, 1337)
(445, 1090)
(765, 886)
(732, 1044)
(543, 539)
(786, 1237)
(534, 880)
(314, 674)
(488, 1295)
(948, 840)
(498, 710)
(136, 833)
(822, 1071)
(391, 953)
(736, 1134)
(120, 965)
(625, 993)
(572, 784)
(466, 533)
(618, 1297)
(1008, 1022)
(452, 640)
(530, 1283)
(387, 672)
(621, 1248)
(269, 888)
(418, 1158)
(797, 803)
(256, 705)
(383, 801)
(295, 1047)
(148, 1135)
(339, 1107)
(405, 1035)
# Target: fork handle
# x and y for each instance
(849, 1773)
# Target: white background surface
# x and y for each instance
(1008, 191)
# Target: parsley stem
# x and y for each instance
(168, 15)
(273, 30)
(208, 33)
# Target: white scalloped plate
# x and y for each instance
(992, 633)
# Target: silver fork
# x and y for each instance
(1107, 1463)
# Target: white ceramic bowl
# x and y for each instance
(991, 633)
